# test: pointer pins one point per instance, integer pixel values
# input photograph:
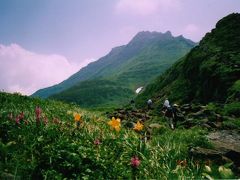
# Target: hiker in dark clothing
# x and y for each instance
(175, 112)
(168, 113)
(149, 104)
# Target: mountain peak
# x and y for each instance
(152, 34)
(139, 59)
(168, 33)
(148, 36)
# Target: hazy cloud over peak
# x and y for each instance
(24, 71)
(146, 7)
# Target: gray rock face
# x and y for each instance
(228, 142)
(226, 147)
(225, 139)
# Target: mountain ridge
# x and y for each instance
(207, 73)
(107, 64)
(127, 67)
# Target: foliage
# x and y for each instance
(208, 73)
(232, 109)
(60, 148)
(96, 93)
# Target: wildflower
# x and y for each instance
(207, 169)
(56, 121)
(182, 163)
(45, 120)
(97, 142)
(115, 123)
(17, 120)
(135, 162)
(138, 126)
(225, 173)
(21, 115)
(77, 117)
(38, 112)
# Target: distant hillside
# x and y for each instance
(95, 92)
(147, 52)
(210, 72)
(130, 66)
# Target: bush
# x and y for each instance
(232, 109)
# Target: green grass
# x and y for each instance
(60, 149)
(96, 93)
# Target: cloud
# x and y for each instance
(146, 7)
(192, 31)
(25, 72)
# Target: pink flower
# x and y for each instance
(17, 120)
(135, 162)
(38, 112)
(182, 163)
(21, 116)
(97, 142)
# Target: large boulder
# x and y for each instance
(226, 147)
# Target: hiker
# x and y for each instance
(175, 111)
(132, 101)
(149, 104)
(166, 103)
(132, 104)
(168, 113)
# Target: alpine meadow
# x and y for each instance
(159, 105)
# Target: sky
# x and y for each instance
(43, 42)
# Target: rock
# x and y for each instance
(155, 125)
(199, 114)
(122, 111)
(226, 147)
(138, 115)
(190, 122)
(206, 126)
(227, 118)
(228, 142)
(8, 176)
(212, 124)
(205, 153)
(121, 116)
(186, 107)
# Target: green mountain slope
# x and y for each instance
(210, 72)
(131, 65)
(96, 92)
(85, 73)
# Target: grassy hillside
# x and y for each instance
(96, 93)
(39, 139)
(208, 73)
(131, 66)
